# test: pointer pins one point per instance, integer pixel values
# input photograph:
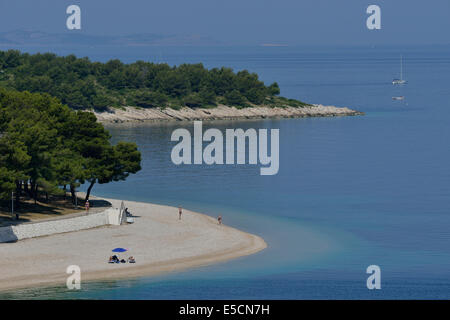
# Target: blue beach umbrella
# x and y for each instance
(119, 250)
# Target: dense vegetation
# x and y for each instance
(82, 84)
(45, 148)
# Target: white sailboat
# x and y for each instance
(401, 80)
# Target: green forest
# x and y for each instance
(46, 148)
(82, 84)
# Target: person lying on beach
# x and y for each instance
(113, 259)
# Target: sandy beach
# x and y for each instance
(158, 240)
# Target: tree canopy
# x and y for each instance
(44, 145)
(82, 84)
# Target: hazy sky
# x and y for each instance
(290, 22)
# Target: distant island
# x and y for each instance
(40, 39)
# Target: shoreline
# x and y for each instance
(158, 240)
(221, 112)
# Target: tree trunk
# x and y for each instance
(65, 191)
(25, 188)
(35, 192)
(89, 191)
(18, 193)
(72, 192)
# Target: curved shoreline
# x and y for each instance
(221, 112)
(158, 240)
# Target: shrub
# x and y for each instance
(234, 98)
(193, 100)
(148, 99)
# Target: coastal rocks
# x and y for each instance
(221, 112)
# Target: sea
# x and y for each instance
(351, 192)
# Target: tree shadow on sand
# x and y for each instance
(99, 203)
(41, 211)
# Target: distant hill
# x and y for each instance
(21, 38)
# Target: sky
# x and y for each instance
(242, 22)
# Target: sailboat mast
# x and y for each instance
(401, 67)
(400, 81)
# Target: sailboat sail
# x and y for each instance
(401, 80)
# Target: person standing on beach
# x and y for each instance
(87, 206)
(180, 212)
(219, 219)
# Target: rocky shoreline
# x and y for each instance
(221, 112)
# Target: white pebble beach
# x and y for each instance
(158, 240)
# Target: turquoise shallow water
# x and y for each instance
(350, 192)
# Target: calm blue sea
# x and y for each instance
(351, 192)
